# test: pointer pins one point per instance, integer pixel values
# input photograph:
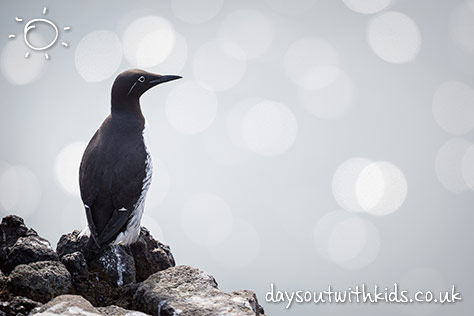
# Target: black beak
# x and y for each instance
(162, 79)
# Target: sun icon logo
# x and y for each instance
(31, 25)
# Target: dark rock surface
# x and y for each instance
(100, 278)
(75, 263)
(40, 281)
(188, 291)
(18, 305)
(115, 264)
(11, 228)
(70, 243)
(120, 280)
(3, 280)
(28, 249)
(20, 245)
(150, 255)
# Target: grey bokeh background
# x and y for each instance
(256, 145)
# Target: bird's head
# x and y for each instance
(129, 85)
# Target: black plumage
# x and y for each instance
(115, 170)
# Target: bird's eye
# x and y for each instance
(141, 79)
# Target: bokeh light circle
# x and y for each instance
(191, 108)
(216, 65)
(66, 167)
(196, 12)
(176, 60)
(269, 128)
(453, 107)
(367, 6)
(381, 188)
(346, 239)
(312, 63)
(16, 68)
(467, 167)
(344, 181)
(370, 186)
(148, 41)
(361, 185)
(370, 251)
(241, 247)
(235, 118)
(250, 30)
(98, 56)
(323, 229)
(448, 164)
(206, 219)
(20, 191)
(394, 37)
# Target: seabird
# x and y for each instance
(116, 167)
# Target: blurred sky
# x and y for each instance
(309, 142)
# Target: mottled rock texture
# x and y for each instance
(40, 281)
(76, 305)
(20, 245)
(18, 305)
(188, 291)
(134, 280)
(150, 255)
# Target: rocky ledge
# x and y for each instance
(141, 279)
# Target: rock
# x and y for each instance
(113, 310)
(98, 277)
(126, 295)
(40, 281)
(150, 255)
(18, 305)
(20, 245)
(28, 249)
(115, 264)
(70, 243)
(67, 305)
(77, 306)
(187, 291)
(76, 281)
(3, 281)
(95, 289)
(75, 263)
(252, 299)
(11, 228)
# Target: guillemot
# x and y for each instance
(116, 168)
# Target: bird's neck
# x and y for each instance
(129, 107)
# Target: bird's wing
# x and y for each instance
(126, 186)
(90, 175)
(115, 225)
(90, 181)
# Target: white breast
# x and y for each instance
(131, 233)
